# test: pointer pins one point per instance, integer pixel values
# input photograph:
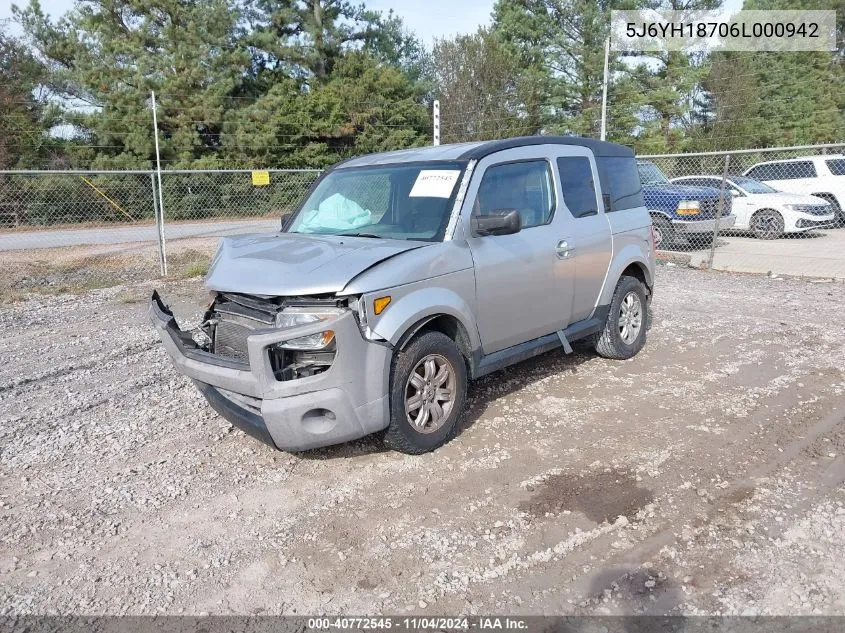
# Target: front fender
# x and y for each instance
(411, 303)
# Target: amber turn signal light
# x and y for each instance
(380, 304)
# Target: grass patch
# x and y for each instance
(196, 269)
(132, 297)
(78, 270)
(189, 263)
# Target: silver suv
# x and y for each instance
(403, 275)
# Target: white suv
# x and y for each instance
(822, 176)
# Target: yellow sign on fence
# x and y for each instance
(261, 178)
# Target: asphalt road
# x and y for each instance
(30, 240)
(816, 254)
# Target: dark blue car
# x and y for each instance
(682, 213)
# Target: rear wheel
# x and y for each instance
(767, 224)
(624, 332)
(427, 392)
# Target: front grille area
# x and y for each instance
(816, 209)
(708, 207)
(230, 339)
(819, 224)
(236, 317)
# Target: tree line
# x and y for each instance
(304, 83)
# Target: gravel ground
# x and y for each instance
(704, 476)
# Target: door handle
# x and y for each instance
(562, 249)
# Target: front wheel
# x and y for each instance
(624, 332)
(428, 386)
(767, 224)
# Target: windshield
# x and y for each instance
(753, 186)
(401, 202)
(651, 175)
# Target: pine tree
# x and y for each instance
(106, 57)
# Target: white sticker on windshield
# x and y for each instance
(435, 183)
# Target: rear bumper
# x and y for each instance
(348, 401)
(686, 227)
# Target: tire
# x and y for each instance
(838, 213)
(610, 343)
(664, 234)
(766, 224)
(403, 433)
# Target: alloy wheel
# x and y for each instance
(630, 318)
(430, 393)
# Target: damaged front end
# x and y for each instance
(232, 318)
(287, 370)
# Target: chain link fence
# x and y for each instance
(54, 209)
(774, 211)
(763, 211)
(54, 199)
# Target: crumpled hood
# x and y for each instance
(293, 264)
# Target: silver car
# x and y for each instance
(404, 275)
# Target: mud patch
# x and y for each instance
(601, 496)
(738, 495)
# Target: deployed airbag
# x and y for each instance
(335, 213)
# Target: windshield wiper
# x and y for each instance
(378, 237)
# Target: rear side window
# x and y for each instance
(783, 171)
(525, 186)
(799, 169)
(764, 172)
(709, 182)
(836, 166)
(579, 190)
(693, 182)
(621, 187)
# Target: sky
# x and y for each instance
(438, 18)
(428, 18)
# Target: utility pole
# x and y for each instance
(162, 247)
(604, 83)
(436, 117)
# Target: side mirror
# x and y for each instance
(286, 218)
(735, 193)
(497, 222)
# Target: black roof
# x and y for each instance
(599, 148)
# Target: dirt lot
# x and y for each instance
(703, 476)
